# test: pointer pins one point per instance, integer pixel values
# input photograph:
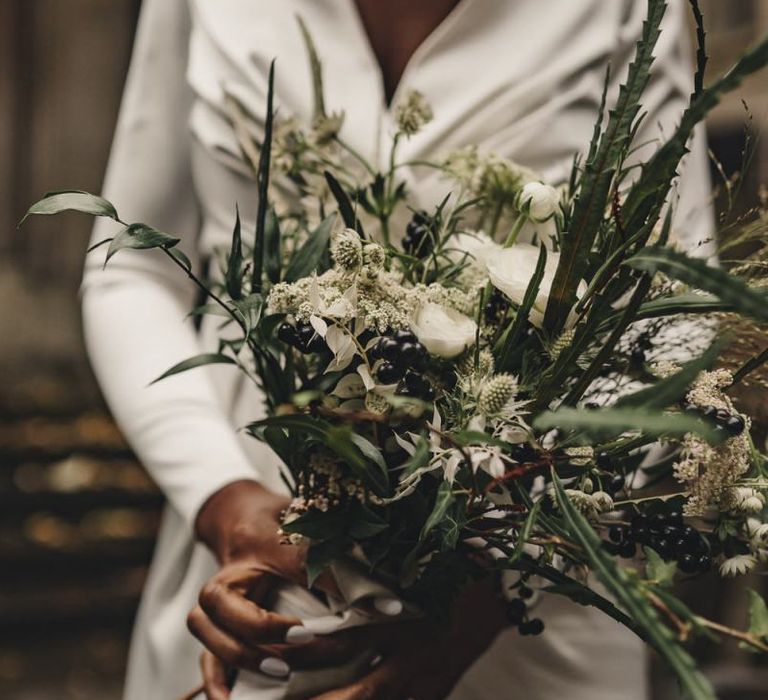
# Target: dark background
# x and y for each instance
(77, 514)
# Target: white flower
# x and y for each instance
(539, 201)
(488, 459)
(443, 331)
(472, 248)
(511, 269)
(738, 565)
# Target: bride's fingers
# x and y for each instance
(233, 652)
(231, 611)
(214, 677)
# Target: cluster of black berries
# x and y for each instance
(517, 614)
(496, 307)
(731, 423)
(419, 235)
(668, 536)
(301, 336)
(404, 358)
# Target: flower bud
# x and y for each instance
(539, 201)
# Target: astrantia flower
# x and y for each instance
(511, 269)
(489, 459)
(539, 201)
(412, 113)
(738, 565)
(602, 501)
(442, 330)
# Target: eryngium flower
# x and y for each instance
(496, 394)
(347, 250)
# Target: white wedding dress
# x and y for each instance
(519, 77)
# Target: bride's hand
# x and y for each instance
(240, 525)
(422, 661)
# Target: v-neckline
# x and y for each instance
(434, 36)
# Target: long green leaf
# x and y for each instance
(670, 389)
(265, 159)
(71, 200)
(315, 67)
(345, 206)
(595, 185)
(272, 252)
(305, 260)
(649, 193)
(234, 274)
(630, 597)
(696, 273)
(194, 362)
(609, 422)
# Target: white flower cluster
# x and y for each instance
(710, 472)
(412, 113)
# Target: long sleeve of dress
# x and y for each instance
(134, 309)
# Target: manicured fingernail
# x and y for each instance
(388, 606)
(376, 660)
(272, 666)
(298, 634)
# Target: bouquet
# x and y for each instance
(481, 387)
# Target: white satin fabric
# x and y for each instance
(519, 77)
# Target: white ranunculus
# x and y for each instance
(511, 269)
(541, 201)
(443, 331)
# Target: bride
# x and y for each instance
(522, 78)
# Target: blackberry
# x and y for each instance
(532, 627)
(735, 425)
(516, 610)
(616, 533)
(287, 334)
(688, 564)
(389, 373)
(419, 235)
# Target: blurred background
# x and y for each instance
(77, 514)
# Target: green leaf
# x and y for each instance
(751, 365)
(316, 69)
(595, 185)
(140, 237)
(318, 525)
(696, 273)
(649, 193)
(321, 556)
(342, 441)
(265, 159)
(71, 200)
(305, 260)
(249, 309)
(666, 392)
(632, 599)
(197, 361)
(657, 570)
(298, 423)
(758, 615)
(610, 422)
(272, 253)
(525, 531)
(345, 206)
(364, 523)
(180, 257)
(443, 502)
(234, 275)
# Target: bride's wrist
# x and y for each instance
(236, 516)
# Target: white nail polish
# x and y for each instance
(272, 666)
(298, 634)
(376, 660)
(390, 607)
